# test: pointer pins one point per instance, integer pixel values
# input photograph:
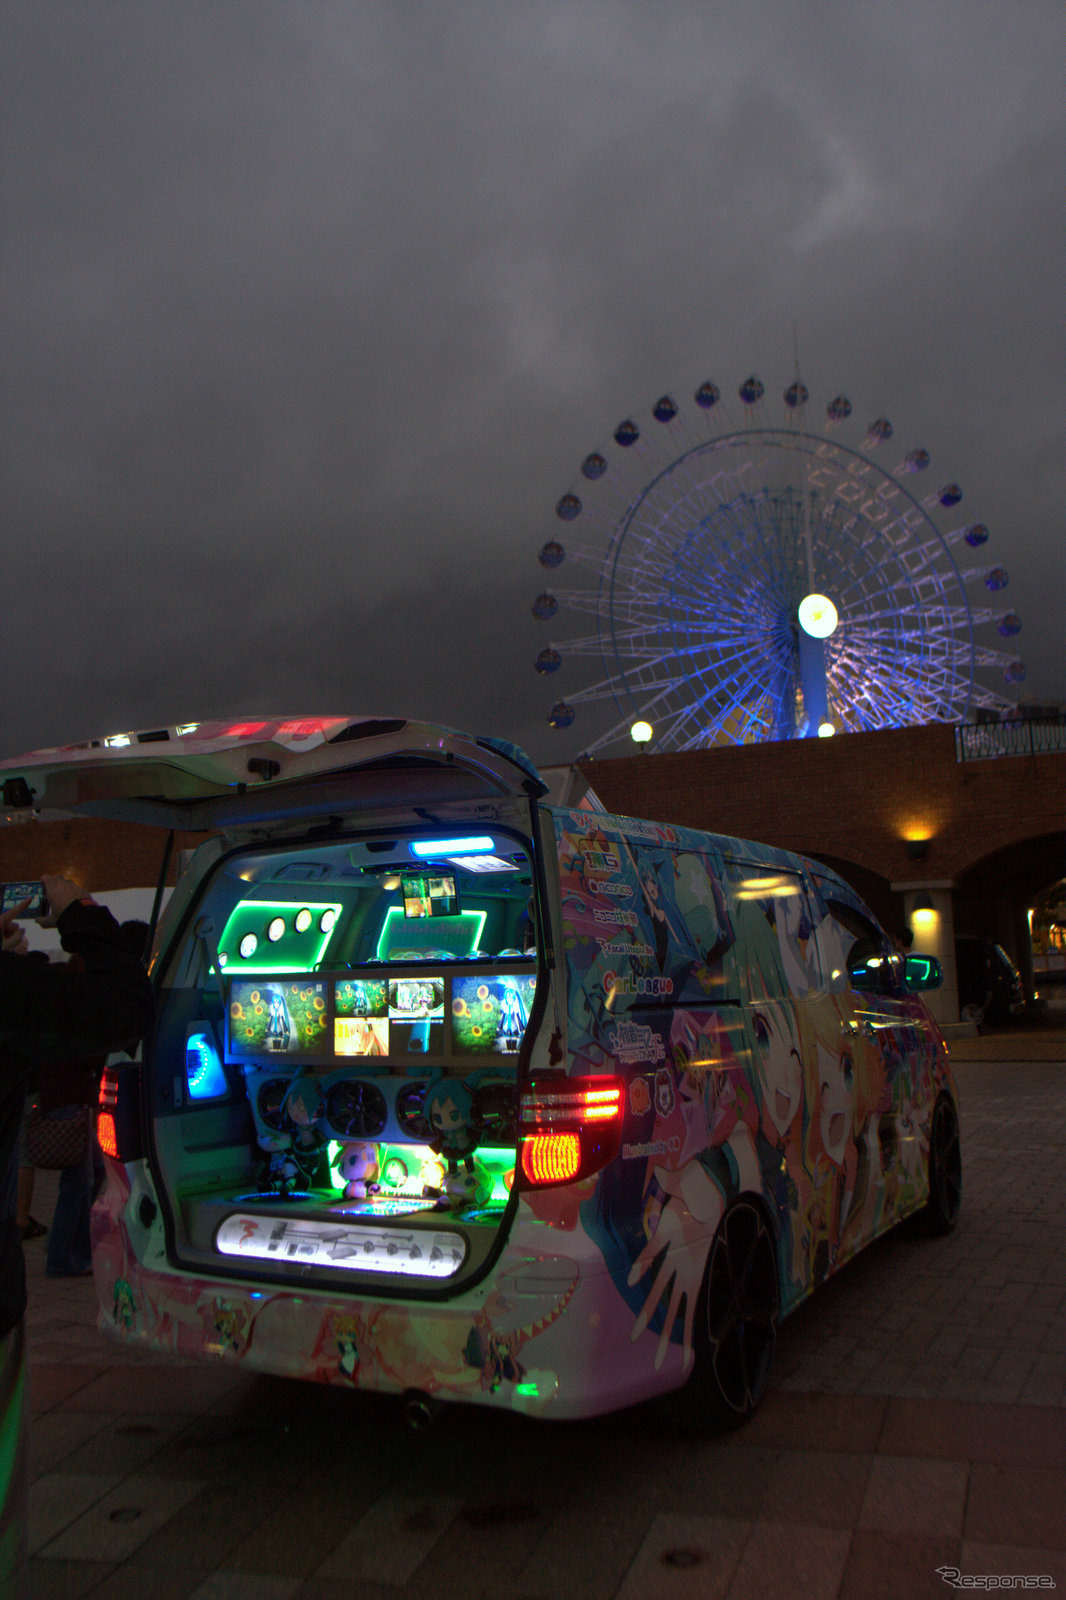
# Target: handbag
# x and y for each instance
(54, 1142)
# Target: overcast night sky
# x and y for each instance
(311, 310)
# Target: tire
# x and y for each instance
(736, 1322)
(945, 1169)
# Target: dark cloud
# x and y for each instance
(311, 311)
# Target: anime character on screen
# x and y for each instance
(279, 1026)
(513, 1018)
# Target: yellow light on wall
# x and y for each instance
(923, 911)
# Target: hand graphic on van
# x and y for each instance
(685, 1230)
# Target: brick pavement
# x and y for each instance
(916, 1422)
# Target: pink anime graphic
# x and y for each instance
(335, 1353)
(493, 1350)
(685, 1196)
(227, 1328)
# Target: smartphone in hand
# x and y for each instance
(13, 894)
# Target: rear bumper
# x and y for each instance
(546, 1334)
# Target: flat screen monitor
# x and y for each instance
(416, 1015)
(286, 1019)
(361, 1017)
(429, 894)
(490, 1013)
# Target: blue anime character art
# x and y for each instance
(448, 1107)
(278, 1028)
(490, 1013)
(513, 1018)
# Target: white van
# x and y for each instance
(459, 1094)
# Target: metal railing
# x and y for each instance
(984, 741)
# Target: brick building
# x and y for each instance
(897, 813)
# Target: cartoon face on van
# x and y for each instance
(498, 1107)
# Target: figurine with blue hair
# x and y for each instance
(450, 1110)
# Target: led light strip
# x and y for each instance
(339, 1245)
(586, 1105)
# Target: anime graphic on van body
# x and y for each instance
(774, 1089)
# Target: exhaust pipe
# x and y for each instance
(420, 1410)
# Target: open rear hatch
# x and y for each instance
(350, 992)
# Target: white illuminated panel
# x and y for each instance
(483, 863)
(414, 1254)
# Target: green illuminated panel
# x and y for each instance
(453, 936)
(402, 1169)
(292, 951)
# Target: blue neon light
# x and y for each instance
(479, 845)
(203, 1069)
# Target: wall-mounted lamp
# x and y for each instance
(923, 903)
(917, 849)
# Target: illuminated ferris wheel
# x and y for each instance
(754, 573)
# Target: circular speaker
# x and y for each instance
(270, 1104)
(356, 1110)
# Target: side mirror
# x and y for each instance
(923, 972)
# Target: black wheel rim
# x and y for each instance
(947, 1162)
(742, 1307)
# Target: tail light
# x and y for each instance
(118, 1125)
(570, 1127)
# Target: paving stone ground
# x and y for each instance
(916, 1424)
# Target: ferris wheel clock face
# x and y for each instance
(752, 571)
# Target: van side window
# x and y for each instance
(856, 952)
(771, 915)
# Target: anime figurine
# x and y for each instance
(288, 1167)
(279, 1173)
(303, 1105)
(448, 1107)
(358, 1169)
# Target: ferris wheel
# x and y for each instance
(752, 572)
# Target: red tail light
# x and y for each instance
(105, 1132)
(570, 1128)
(118, 1126)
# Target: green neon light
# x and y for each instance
(444, 928)
(252, 916)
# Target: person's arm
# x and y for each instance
(106, 1006)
